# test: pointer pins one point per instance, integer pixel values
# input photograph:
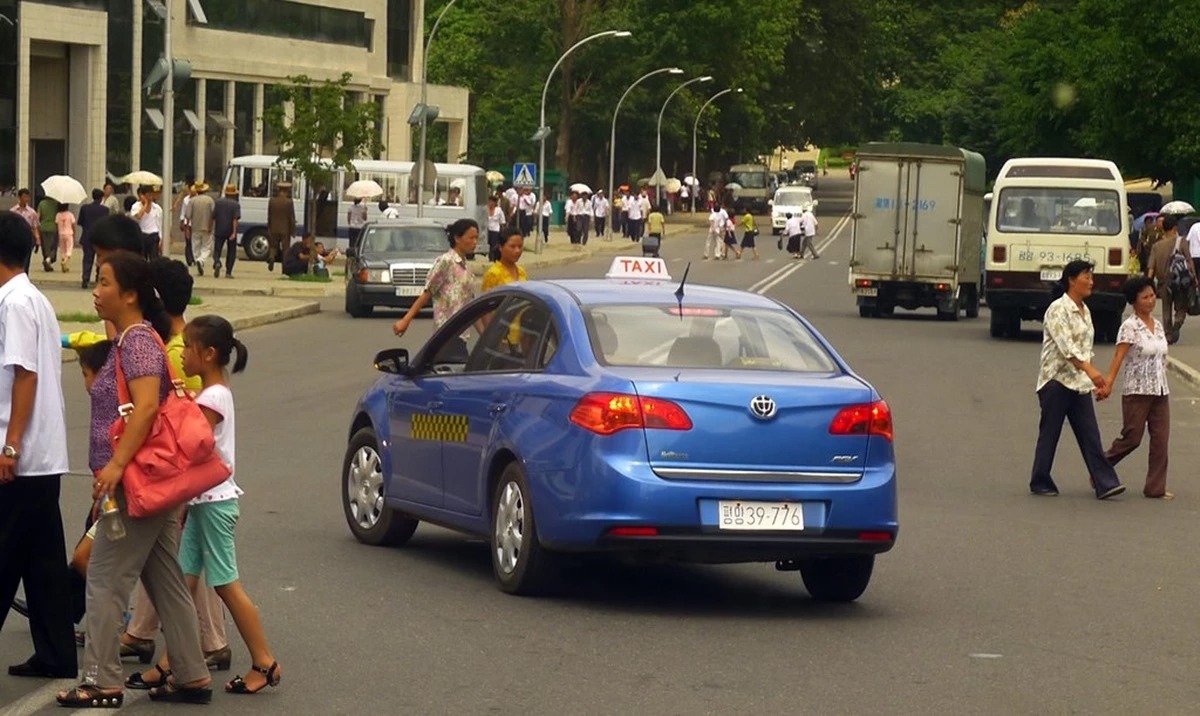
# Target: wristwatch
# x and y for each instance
(9, 451)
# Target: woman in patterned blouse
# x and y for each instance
(1142, 358)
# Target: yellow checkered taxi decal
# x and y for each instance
(449, 428)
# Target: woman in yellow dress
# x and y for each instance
(506, 269)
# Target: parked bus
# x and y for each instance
(460, 191)
(1045, 213)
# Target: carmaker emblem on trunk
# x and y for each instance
(763, 407)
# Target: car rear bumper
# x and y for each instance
(382, 295)
(721, 548)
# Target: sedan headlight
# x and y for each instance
(374, 275)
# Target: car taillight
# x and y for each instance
(1115, 257)
(607, 413)
(999, 254)
(871, 419)
(863, 283)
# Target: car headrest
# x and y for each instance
(607, 337)
(695, 351)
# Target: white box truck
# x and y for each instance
(917, 229)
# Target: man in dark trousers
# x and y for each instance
(226, 215)
(89, 214)
(32, 461)
(281, 224)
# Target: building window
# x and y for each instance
(119, 124)
(284, 18)
(8, 95)
(100, 5)
(243, 119)
(399, 40)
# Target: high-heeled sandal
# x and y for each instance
(137, 682)
(238, 685)
(86, 696)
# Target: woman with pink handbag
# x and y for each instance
(143, 546)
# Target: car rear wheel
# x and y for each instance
(837, 579)
(363, 500)
(520, 563)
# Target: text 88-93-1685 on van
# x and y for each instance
(1045, 213)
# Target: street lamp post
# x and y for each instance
(695, 127)
(658, 146)
(425, 111)
(612, 142)
(544, 131)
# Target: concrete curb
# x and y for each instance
(245, 322)
(1185, 372)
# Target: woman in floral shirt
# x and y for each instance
(1142, 351)
(450, 285)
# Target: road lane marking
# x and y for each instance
(774, 279)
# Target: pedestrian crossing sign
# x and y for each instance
(525, 174)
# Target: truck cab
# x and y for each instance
(755, 185)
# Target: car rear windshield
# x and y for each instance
(385, 240)
(792, 197)
(1059, 210)
(668, 336)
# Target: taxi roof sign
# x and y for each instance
(635, 268)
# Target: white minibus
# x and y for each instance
(1045, 213)
(460, 191)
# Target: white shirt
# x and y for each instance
(633, 208)
(547, 208)
(1145, 366)
(809, 223)
(569, 207)
(716, 221)
(151, 221)
(29, 338)
(644, 205)
(581, 207)
(391, 213)
(511, 195)
(183, 215)
(793, 226)
(1193, 239)
(495, 219)
(600, 207)
(526, 202)
(219, 399)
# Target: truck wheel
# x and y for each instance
(973, 302)
(866, 311)
(885, 310)
(950, 315)
(1108, 324)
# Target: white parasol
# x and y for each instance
(673, 185)
(142, 178)
(581, 188)
(494, 177)
(364, 189)
(64, 189)
(1176, 207)
(691, 180)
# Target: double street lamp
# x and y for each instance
(423, 113)
(544, 131)
(696, 127)
(658, 173)
(612, 142)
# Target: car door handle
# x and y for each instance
(497, 408)
(434, 405)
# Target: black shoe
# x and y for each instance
(33, 667)
(1044, 491)
(229, 275)
(1110, 492)
(270, 265)
(84, 284)
(170, 693)
(200, 268)
(20, 607)
(46, 265)
(216, 270)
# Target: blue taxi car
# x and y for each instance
(699, 424)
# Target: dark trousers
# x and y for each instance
(1058, 403)
(49, 247)
(493, 245)
(600, 225)
(526, 224)
(89, 260)
(277, 244)
(32, 551)
(546, 228)
(150, 244)
(1139, 412)
(230, 245)
(189, 256)
(572, 229)
(354, 234)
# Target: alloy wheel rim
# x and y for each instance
(510, 527)
(364, 487)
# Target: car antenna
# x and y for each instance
(679, 291)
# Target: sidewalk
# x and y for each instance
(251, 278)
(246, 311)
(1183, 359)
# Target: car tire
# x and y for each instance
(1001, 323)
(866, 311)
(837, 579)
(354, 305)
(972, 308)
(256, 245)
(521, 565)
(364, 501)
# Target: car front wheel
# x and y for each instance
(837, 579)
(520, 563)
(363, 500)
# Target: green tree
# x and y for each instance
(324, 133)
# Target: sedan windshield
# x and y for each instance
(668, 336)
(387, 240)
(1034, 210)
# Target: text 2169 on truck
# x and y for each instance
(918, 223)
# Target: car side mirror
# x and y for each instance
(351, 253)
(393, 361)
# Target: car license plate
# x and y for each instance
(409, 290)
(1054, 274)
(866, 292)
(759, 516)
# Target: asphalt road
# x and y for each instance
(993, 601)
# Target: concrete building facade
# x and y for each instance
(72, 73)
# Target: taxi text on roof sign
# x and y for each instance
(638, 269)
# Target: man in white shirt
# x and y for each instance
(386, 211)
(547, 212)
(182, 201)
(526, 203)
(633, 216)
(793, 229)
(717, 219)
(32, 460)
(572, 225)
(583, 216)
(149, 217)
(600, 211)
(1193, 239)
(808, 221)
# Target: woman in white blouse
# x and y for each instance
(1142, 358)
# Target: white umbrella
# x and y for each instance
(494, 177)
(1176, 207)
(142, 177)
(581, 189)
(733, 186)
(691, 181)
(364, 189)
(673, 185)
(64, 189)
